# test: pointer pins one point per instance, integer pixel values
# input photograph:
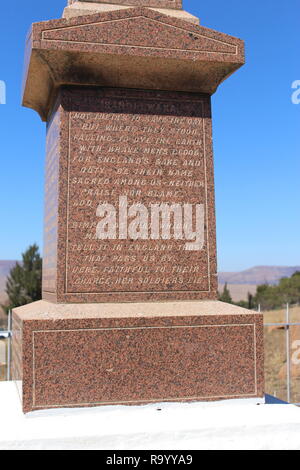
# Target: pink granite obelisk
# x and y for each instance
(129, 312)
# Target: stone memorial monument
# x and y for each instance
(129, 312)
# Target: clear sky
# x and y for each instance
(256, 134)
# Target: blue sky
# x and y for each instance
(256, 134)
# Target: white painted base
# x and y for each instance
(231, 424)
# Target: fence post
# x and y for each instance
(288, 357)
(9, 326)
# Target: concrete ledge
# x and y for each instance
(234, 424)
(43, 310)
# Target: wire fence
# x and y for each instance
(282, 353)
(5, 350)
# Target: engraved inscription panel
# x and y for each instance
(128, 160)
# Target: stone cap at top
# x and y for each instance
(134, 47)
(176, 4)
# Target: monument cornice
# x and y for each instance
(147, 50)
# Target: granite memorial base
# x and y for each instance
(80, 355)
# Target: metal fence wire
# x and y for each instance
(7, 335)
(287, 325)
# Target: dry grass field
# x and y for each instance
(279, 316)
(275, 354)
(2, 359)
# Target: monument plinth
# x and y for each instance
(129, 311)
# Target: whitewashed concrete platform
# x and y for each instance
(231, 424)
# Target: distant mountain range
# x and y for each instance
(258, 275)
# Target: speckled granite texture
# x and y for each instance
(78, 8)
(138, 3)
(152, 147)
(132, 48)
(159, 353)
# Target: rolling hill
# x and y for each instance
(244, 282)
(258, 275)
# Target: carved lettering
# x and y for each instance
(149, 152)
